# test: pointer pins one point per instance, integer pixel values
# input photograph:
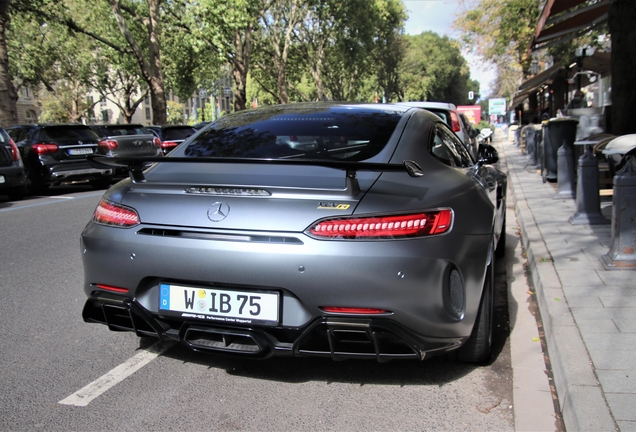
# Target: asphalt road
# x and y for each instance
(59, 373)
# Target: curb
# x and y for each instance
(581, 399)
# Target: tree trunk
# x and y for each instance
(8, 93)
(622, 16)
(240, 65)
(151, 67)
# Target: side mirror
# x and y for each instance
(487, 154)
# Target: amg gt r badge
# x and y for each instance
(218, 211)
(333, 206)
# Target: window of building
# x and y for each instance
(147, 113)
(31, 116)
(105, 116)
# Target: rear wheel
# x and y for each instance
(478, 347)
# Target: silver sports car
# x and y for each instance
(377, 241)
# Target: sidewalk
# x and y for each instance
(588, 313)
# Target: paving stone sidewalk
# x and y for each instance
(588, 313)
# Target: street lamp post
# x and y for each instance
(203, 93)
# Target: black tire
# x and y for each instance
(500, 250)
(478, 347)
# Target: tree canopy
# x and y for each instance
(284, 50)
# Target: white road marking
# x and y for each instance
(84, 396)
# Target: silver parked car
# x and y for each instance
(448, 112)
(379, 243)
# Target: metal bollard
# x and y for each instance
(565, 172)
(588, 203)
(622, 255)
(535, 148)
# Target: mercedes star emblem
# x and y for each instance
(218, 211)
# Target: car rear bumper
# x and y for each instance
(54, 171)
(379, 339)
(11, 177)
(410, 279)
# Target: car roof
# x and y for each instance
(435, 105)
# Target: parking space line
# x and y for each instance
(84, 396)
(20, 207)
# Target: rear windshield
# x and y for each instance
(67, 132)
(307, 132)
(441, 114)
(119, 130)
(178, 133)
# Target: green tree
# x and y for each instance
(8, 93)
(278, 21)
(500, 32)
(390, 48)
(175, 112)
(226, 27)
(127, 26)
(434, 69)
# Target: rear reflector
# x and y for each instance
(384, 227)
(109, 213)
(112, 288)
(352, 310)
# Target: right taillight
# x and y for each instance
(156, 141)
(44, 148)
(15, 154)
(117, 215)
(427, 223)
(169, 144)
(455, 122)
(108, 144)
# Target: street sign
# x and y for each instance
(497, 106)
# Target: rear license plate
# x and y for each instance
(221, 305)
(80, 151)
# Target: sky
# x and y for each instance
(438, 16)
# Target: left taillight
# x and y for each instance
(455, 122)
(117, 215)
(422, 224)
(15, 154)
(169, 144)
(108, 144)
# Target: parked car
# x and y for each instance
(448, 112)
(13, 180)
(127, 140)
(56, 153)
(471, 133)
(201, 125)
(172, 136)
(381, 246)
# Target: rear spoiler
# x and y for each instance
(137, 165)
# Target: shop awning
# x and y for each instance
(562, 20)
(533, 84)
